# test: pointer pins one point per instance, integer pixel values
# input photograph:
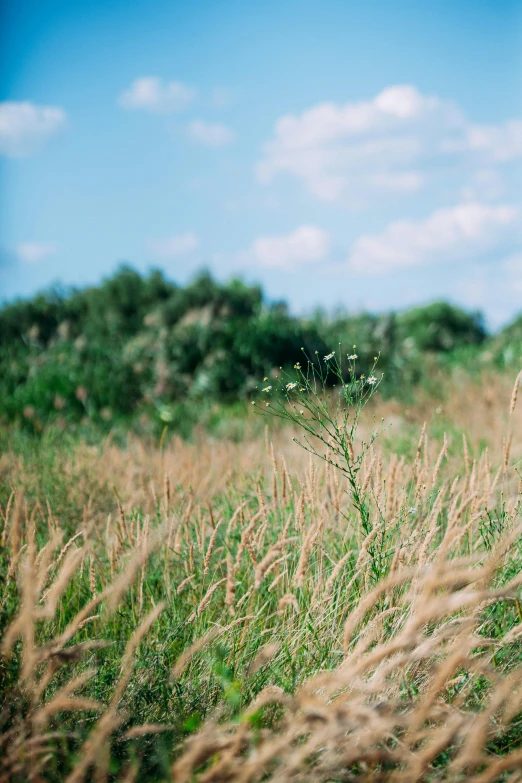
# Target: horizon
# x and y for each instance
(368, 157)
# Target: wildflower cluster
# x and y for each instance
(329, 420)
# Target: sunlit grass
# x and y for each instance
(227, 617)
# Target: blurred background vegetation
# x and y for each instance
(143, 352)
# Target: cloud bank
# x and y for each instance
(464, 231)
(395, 143)
(25, 126)
(447, 234)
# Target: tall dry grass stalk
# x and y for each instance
(314, 650)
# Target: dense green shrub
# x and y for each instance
(439, 327)
(144, 347)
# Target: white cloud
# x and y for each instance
(448, 234)
(174, 247)
(24, 126)
(484, 185)
(210, 134)
(34, 252)
(390, 143)
(149, 93)
(304, 245)
(500, 142)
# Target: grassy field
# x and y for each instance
(239, 610)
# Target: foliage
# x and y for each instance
(439, 327)
(144, 351)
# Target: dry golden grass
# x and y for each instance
(390, 656)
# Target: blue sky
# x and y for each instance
(364, 154)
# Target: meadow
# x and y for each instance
(237, 609)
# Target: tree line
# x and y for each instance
(142, 347)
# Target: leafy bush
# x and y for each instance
(143, 348)
(440, 327)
